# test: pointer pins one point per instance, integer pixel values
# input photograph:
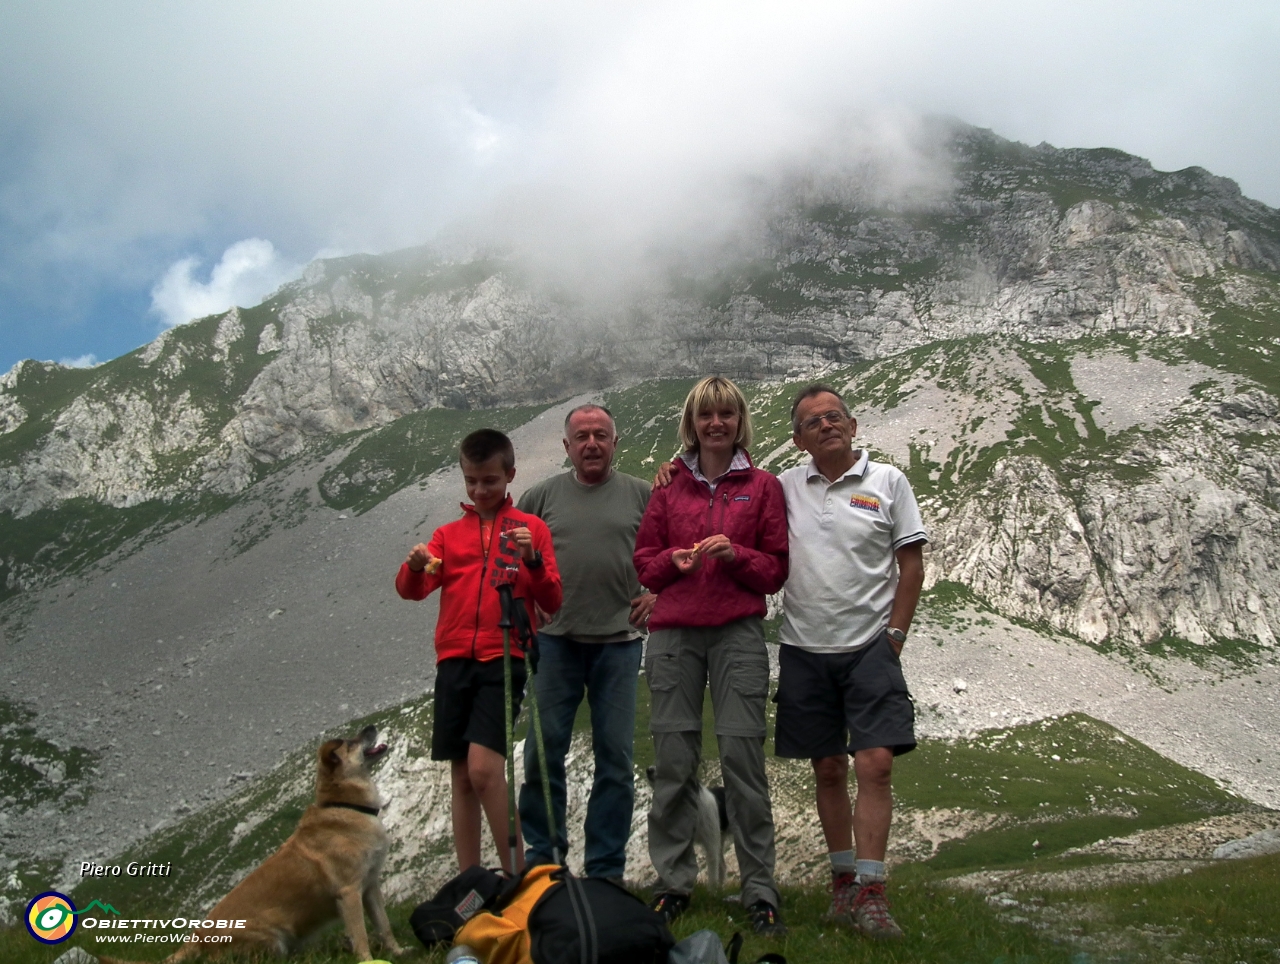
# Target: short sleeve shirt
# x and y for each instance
(843, 537)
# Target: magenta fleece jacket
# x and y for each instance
(748, 507)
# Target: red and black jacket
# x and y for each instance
(469, 605)
(748, 506)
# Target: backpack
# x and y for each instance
(545, 917)
(620, 925)
(501, 935)
(438, 919)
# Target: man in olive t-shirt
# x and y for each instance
(593, 642)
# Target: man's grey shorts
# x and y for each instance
(833, 703)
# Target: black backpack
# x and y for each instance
(438, 919)
(618, 926)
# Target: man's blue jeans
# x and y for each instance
(608, 672)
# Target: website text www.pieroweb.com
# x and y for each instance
(148, 930)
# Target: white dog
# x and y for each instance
(712, 833)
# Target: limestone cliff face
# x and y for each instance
(1182, 555)
(12, 414)
(1027, 245)
(108, 448)
(1020, 540)
(1157, 515)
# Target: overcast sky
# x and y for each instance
(162, 161)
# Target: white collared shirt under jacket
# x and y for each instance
(843, 536)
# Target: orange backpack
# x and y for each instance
(502, 937)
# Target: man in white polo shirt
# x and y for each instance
(856, 572)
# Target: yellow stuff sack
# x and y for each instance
(503, 937)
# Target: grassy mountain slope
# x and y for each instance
(1041, 791)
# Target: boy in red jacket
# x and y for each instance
(470, 727)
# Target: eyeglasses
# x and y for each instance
(833, 417)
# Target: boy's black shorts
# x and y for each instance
(468, 706)
(830, 704)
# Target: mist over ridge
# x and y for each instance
(977, 282)
(137, 139)
(609, 229)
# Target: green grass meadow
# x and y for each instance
(1054, 785)
(1223, 913)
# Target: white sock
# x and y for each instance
(841, 861)
(869, 871)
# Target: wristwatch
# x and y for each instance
(899, 636)
(536, 561)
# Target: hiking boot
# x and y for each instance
(844, 888)
(765, 919)
(670, 905)
(871, 912)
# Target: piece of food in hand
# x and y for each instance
(432, 567)
(697, 547)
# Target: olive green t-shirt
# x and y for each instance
(593, 529)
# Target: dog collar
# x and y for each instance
(371, 811)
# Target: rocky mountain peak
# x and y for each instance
(1119, 266)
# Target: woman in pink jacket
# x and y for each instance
(712, 545)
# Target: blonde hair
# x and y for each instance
(713, 392)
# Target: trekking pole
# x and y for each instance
(526, 639)
(588, 939)
(504, 593)
(542, 766)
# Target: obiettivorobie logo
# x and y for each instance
(51, 916)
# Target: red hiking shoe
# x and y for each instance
(871, 913)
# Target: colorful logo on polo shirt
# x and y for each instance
(868, 502)
(51, 917)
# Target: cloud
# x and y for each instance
(84, 361)
(131, 133)
(249, 271)
(321, 124)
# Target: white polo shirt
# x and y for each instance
(843, 535)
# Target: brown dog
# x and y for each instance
(328, 868)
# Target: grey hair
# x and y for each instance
(589, 407)
(809, 391)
